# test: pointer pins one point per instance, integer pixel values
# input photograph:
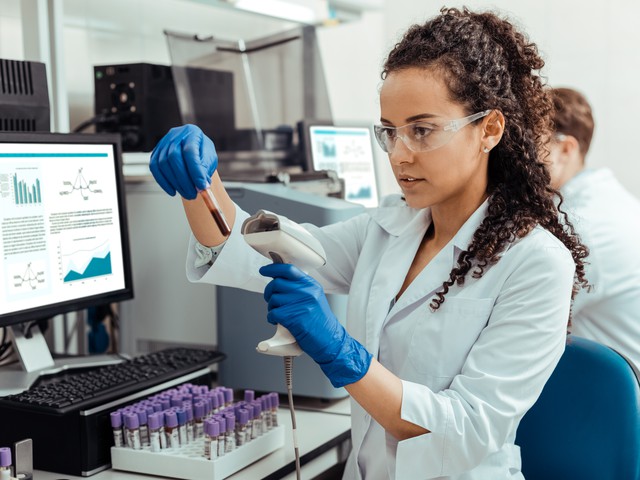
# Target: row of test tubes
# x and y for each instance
(192, 413)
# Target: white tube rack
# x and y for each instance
(188, 461)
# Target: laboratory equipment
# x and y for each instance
(347, 150)
(221, 450)
(140, 101)
(65, 241)
(241, 315)
(68, 413)
(283, 241)
(24, 97)
(278, 80)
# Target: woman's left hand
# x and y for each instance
(298, 302)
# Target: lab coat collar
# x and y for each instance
(462, 239)
(394, 215)
(408, 226)
(439, 268)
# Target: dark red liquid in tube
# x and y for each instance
(216, 212)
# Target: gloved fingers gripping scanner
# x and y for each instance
(283, 241)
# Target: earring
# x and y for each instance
(485, 150)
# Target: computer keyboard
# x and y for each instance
(67, 414)
(71, 390)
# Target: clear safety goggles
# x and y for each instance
(422, 136)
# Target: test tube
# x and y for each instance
(190, 423)
(132, 429)
(5, 463)
(155, 432)
(116, 425)
(144, 429)
(230, 433)
(171, 429)
(198, 414)
(222, 422)
(275, 402)
(257, 418)
(182, 426)
(211, 439)
(216, 212)
(242, 429)
(265, 401)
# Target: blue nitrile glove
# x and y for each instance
(184, 161)
(297, 302)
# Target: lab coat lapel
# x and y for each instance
(431, 278)
(392, 270)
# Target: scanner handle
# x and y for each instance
(282, 344)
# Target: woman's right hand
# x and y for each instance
(184, 161)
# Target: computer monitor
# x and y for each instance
(348, 150)
(63, 230)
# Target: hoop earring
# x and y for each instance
(485, 150)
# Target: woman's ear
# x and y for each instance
(492, 129)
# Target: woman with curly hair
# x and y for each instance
(459, 290)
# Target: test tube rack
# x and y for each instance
(188, 461)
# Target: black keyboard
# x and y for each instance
(67, 414)
(73, 389)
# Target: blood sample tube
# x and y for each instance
(216, 212)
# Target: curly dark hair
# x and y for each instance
(489, 65)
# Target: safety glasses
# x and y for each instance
(422, 136)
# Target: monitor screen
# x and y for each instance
(63, 230)
(349, 152)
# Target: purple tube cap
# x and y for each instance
(170, 419)
(222, 421)
(198, 409)
(249, 395)
(131, 420)
(5, 457)
(182, 416)
(214, 428)
(230, 418)
(257, 408)
(243, 416)
(116, 419)
(275, 400)
(142, 415)
(156, 420)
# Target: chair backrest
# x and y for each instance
(586, 423)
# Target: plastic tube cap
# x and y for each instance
(198, 410)
(131, 420)
(5, 457)
(249, 395)
(116, 419)
(182, 416)
(170, 419)
(243, 416)
(156, 421)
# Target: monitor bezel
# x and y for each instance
(304, 132)
(126, 293)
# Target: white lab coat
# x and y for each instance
(470, 370)
(607, 217)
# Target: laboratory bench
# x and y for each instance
(323, 438)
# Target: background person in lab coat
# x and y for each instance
(459, 290)
(607, 217)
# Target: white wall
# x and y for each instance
(592, 47)
(10, 30)
(589, 46)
